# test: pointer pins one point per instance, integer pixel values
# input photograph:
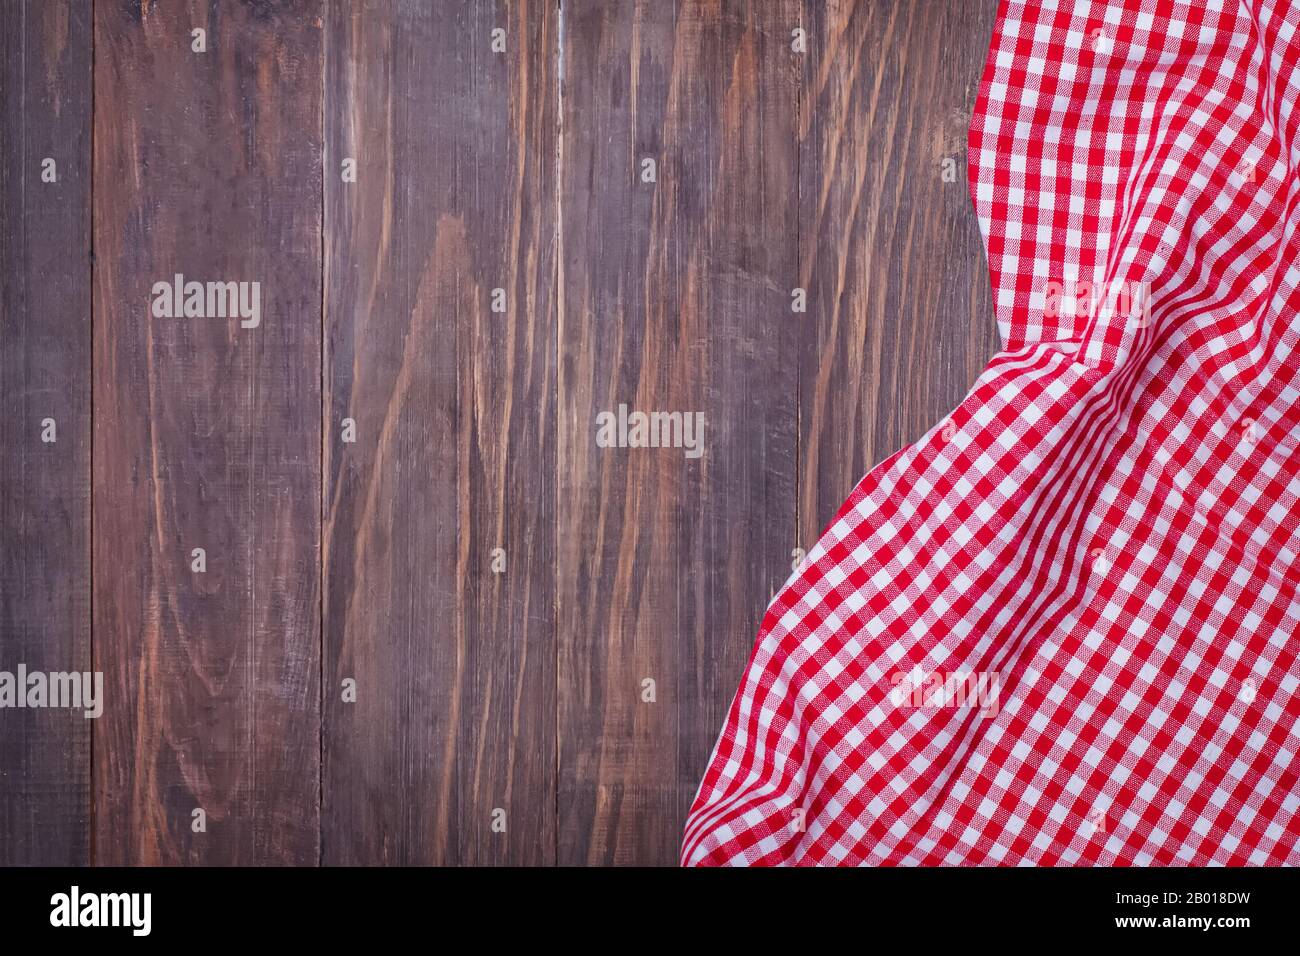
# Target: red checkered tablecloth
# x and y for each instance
(1061, 628)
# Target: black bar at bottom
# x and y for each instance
(616, 908)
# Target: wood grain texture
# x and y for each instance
(498, 585)
(45, 63)
(207, 434)
(900, 320)
(676, 297)
(454, 455)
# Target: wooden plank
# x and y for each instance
(676, 297)
(507, 441)
(900, 320)
(454, 455)
(207, 433)
(45, 62)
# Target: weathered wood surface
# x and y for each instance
(676, 298)
(440, 517)
(207, 434)
(499, 586)
(900, 314)
(45, 63)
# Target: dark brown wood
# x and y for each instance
(899, 320)
(45, 62)
(497, 584)
(454, 407)
(207, 434)
(676, 297)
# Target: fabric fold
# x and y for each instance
(1061, 628)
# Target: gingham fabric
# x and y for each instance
(1061, 629)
